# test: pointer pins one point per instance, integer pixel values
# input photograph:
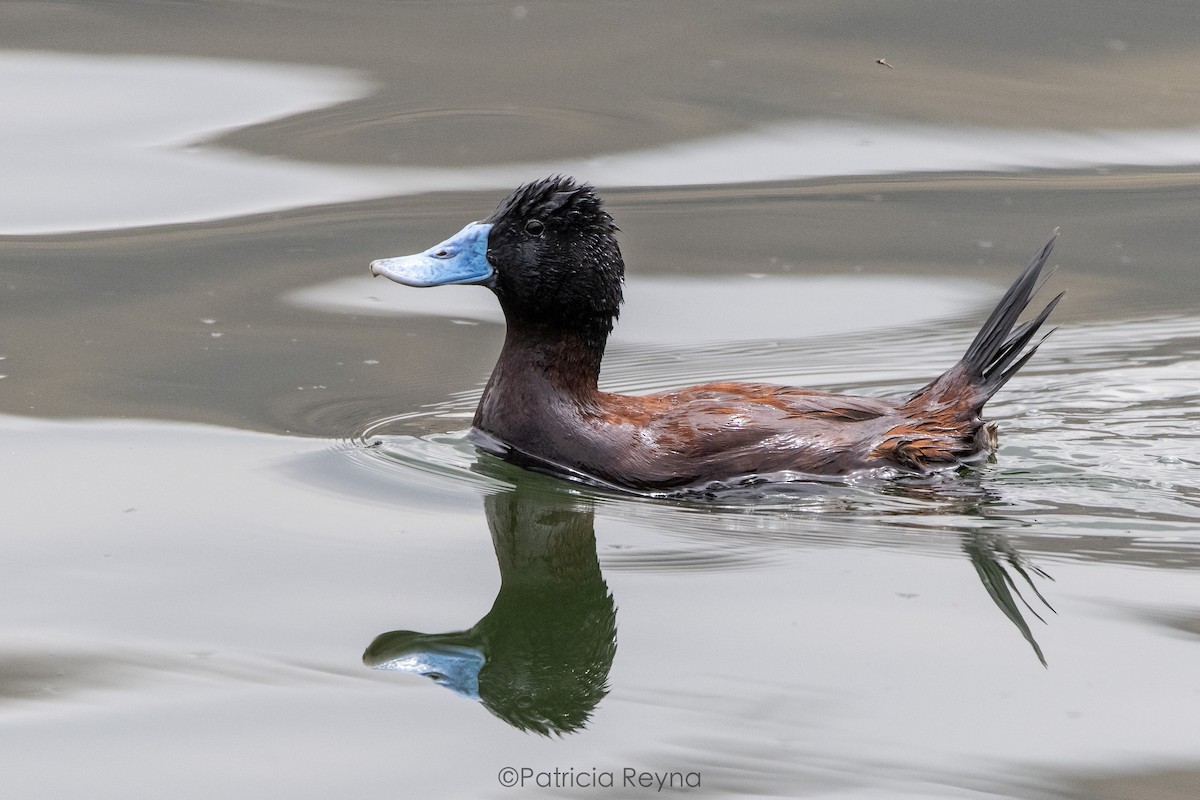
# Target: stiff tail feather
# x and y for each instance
(943, 424)
(1000, 348)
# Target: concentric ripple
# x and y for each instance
(1099, 434)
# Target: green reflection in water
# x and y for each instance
(540, 658)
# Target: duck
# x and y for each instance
(549, 254)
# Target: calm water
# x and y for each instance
(233, 463)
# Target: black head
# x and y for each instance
(557, 264)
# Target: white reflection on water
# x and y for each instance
(96, 142)
(103, 142)
(663, 310)
(824, 149)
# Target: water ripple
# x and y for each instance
(1099, 435)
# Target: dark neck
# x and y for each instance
(568, 362)
(542, 380)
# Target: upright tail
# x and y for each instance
(1000, 348)
(942, 423)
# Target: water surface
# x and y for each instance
(233, 463)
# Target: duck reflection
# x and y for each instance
(540, 658)
(995, 560)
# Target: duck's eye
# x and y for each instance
(535, 227)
